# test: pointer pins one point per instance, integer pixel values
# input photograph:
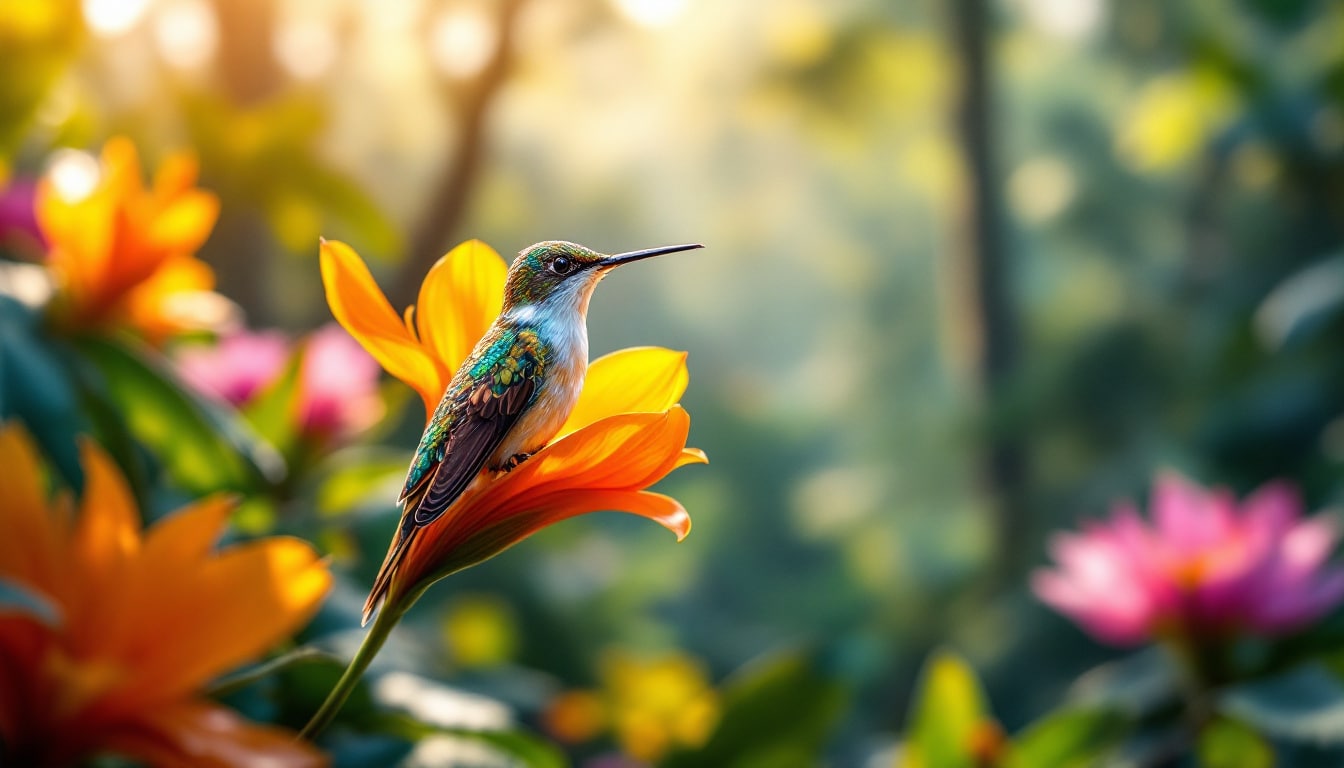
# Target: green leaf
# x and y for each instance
(36, 389)
(1138, 684)
(1068, 739)
(273, 413)
(1305, 704)
(948, 711)
(17, 598)
(356, 473)
(202, 448)
(243, 678)
(778, 712)
(1229, 744)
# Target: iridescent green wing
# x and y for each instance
(481, 408)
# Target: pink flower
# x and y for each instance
(238, 367)
(1203, 568)
(338, 381)
(18, 216)
(340, 384)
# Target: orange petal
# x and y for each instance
(636, 380)
(177, 544)
(176, 175)
(625, 452)
(107, 532)
(429, 559)
(187, 534)
(362, 309)
(32, 549)
(219, 614)
(618, 455)
(459, 299)
(197, 733)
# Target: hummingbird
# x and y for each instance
(514, 391)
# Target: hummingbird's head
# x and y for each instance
(559, 275)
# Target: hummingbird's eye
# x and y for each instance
(561, 265)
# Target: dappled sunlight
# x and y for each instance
(966, 276)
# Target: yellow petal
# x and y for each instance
(459, 299)
(636, 380)
(225, 611)
(362, 309)
(183, 224)
(206, 735)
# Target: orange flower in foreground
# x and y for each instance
(123, 255)
(624, 434)
(140, 622)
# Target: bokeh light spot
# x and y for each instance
(73, 174)
(110, 18)
(651, 13)
(461, 41)
(187, 34)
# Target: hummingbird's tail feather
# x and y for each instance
(405, 534)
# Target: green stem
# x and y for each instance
(388, 616)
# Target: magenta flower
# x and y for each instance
(18, 217)
(237, 368)
(338, 381)
(340, 384)
(1204, 568)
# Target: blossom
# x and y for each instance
(122, 254)
(237, 368)
(650, 705)
(141, 621)
(338, 384)
(1206, 566)
(625, 432)
(337, 391)
(18, 221)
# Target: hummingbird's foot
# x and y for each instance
(514, 461)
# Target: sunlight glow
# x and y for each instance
(1071, 20)
(110, 18)
(461, 41)
(187, 34)
(651, 13)
(73, 174)
(306, 48)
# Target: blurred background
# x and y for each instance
(974, 270)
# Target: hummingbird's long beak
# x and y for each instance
(626, 258)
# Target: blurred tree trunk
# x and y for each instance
(452, 191)
(994, 323)
(249, 74)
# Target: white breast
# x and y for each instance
(567, 339)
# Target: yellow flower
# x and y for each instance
(650, 705)
(142, 620)
(123, 255)
(624, 434)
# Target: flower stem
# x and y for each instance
(387, 618)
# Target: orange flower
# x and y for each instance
(624, 434)
(141, 621)
(123, 255)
